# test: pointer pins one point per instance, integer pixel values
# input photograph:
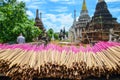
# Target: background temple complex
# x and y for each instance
(101, 27)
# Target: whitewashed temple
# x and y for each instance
(75, 32)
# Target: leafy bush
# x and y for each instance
(14, 20)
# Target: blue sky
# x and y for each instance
(57, 14)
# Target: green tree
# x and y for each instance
(50, 32)
(14, 20)
(56, 36)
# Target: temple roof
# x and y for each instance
(84, 16)
(84, 7)
(38, 21)
(102, 17)
(100, 0)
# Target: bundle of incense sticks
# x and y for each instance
(26, 61)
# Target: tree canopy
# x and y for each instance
(50, 32)
(14, 20)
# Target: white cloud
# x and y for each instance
(54, 0)
(69, 2)
(118, 19)
(112, 0)
(38, 2)
(62, 20)
(30, 14)
(115, 10)
(60, 9)
(59, 0)
(24, 0)
(32, 0)
(65, 1)
(51, 17)
(33, 6)
(65, 19)
(115, 13)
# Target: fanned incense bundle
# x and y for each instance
(25, 61)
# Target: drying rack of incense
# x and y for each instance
(26, 61)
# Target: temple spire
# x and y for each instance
(74, 15)
(38, 20)
(40, 15)
(100, 0)
(37, 14)
(84, 7)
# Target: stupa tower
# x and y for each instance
(78, 26)
(38, 21)
(102, 18)
(98, 29)
(84, 17)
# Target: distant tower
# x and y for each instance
(102, 18)
(64, 32)
(37, 14)
(84, 17)
(40, 15)
(84, 7)
(38, 21)
(74, 22)
(75, 15)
